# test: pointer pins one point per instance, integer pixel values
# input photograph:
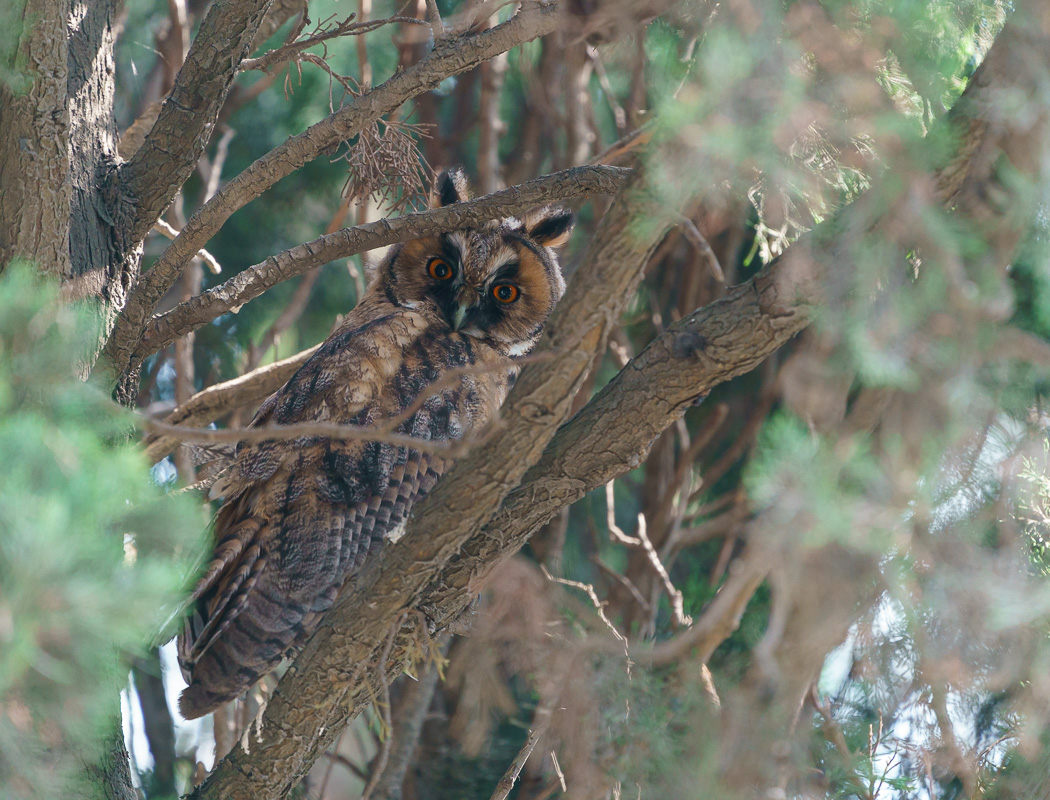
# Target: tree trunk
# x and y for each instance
(58, 144)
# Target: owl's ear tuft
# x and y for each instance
(550, 227)
(450, 187)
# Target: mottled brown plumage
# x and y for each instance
(300, 516)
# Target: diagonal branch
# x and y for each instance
(450, 57)
(200, 310)
(211, 403)
(170, 151)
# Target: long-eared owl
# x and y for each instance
(300, 516)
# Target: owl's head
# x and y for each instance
(497, 283)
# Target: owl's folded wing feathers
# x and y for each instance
(300, 516)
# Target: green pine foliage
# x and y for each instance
(93, 555)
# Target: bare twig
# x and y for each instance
(540, 722)
(619, 115)
(599, 606)
(437, 28)
(407, 720)
(379, 764)
(642, 539)
(626, 582)
(213, 171)
(331, 766)
(558, 772)
(692, 233)
(491, 124)
(720, 618)
(327, 430)
(364, 67)
(347, 27)
(169, 231)
(679, 618)
(339, 758)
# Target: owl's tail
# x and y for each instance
(196, 701)
(233, 663)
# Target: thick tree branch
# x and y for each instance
(170, 151)
(200, 310)
(450, 57)
(35, 198)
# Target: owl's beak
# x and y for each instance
(466, 299)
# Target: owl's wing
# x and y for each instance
(299, 516)
(273, 575)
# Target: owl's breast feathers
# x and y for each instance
(301, 515)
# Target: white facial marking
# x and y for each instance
(462, 244)
(504, 256)
(519, 349)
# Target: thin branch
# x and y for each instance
(281, 54)
(215, 401)
(570, 183)
(339, 758)
(540, 722)
(169, 231)
(222, 149)
(610, 519)
(407, 720)
(364, 66)
(327, 430)
(558, 772)
(679, 619)
(599, 606)
(437, 28)
(379, 764)
(347, 27)
(692, 233)
(626, 582)
(720, 618)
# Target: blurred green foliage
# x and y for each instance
(93, 556)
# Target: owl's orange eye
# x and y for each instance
(439, 269)
(505, 292)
